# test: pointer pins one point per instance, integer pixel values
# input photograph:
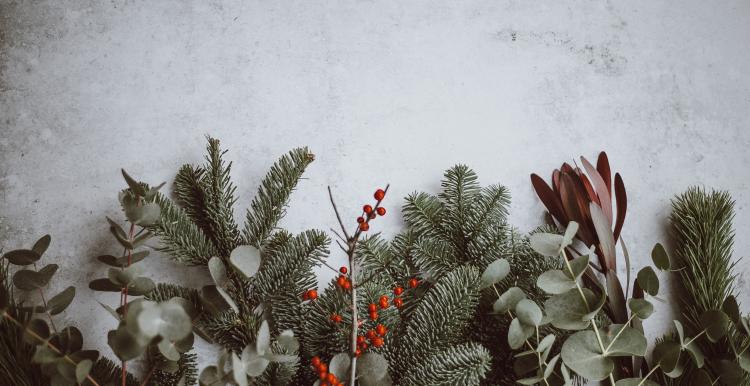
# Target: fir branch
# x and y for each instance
(424, 215)
(220, 200)
(464, 364)
(185, 374)
(269, 204)
(107, 372)
(191, 195)
(181, 239)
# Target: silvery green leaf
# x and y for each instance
(374, 369)
(518, 333)
(623, 341)
(555, 282)
(530, 381)
(732, 309)
(697, 354)
(36, 327)
(41, 245)
(642, 308)
(22, 256)
(570, 233)
(168, 349)
(246, 260)
(125, 344)
(175, 322)
(546, 244)
(648, 281)
(508, 300)
(288, 341)
(239, 371)
(528, 312)
(551, 366)
(210, 377)
(218, 272)
(667, 355)
(263, 339)
(680, 330)
(716, 324)
(61, 301)
(254, 363)
(495, 272)
(582, 354)
(27, 279)
(568, 310)
(578, 266)
(546, 342)
(339, 366)
(635, 382)
(83, 368)
(217, 300)
(141, 286)
(136, 187)
(660, 257)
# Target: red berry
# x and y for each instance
(347, 285)
(371, 334)
(306, 295)
(323, 368)
(323, 375)
(364, 227)
(360, 219)
(336, 318)
(372, 215)
(372, 307)
(363, 346)
(315, 361)
(343, 270)
(413, 283)
(341, 280)
(381, 330)
(398, 291)
(332, 378)
(381, 211)
(379, 194)
(378, 342)
(360, 339)
(374, 315)
(357, 353)
(367, 209)
(312, 294)
(398, 302)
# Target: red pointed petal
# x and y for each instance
(605, 199)
(549, 199)
(589, 189)
(566, 168)
(622, 204)
(602, 166)
(577, 211)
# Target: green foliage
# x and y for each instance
(464, 364)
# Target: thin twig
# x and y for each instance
(338, 216)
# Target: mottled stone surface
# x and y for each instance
(382, 91)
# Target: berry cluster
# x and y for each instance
(326, 378)
(373, 336)
(369, 213)
(310, 294)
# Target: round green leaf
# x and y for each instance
(578, 266)
(288, 341)
(555, 282)
(104, 285)
(696, 353)
(635, 382)
(175, 322)
(372, 367)
(568, 311)
(508, 300)
(716, 324)
(263, 338)
(518, 333)
(667, 355)
(240, 369)
(210, 377)
(30, 280)
(22, 256)
(642, 308)
(125, 344)
(246, 260)
(581, 353)
(36, 329)
(546, 244)
(69, 339)
(218, 272)
(545, 343)
(339, 365)
(660, 257)
(730, 372)
(648, 281)
(41, 245)
(495, 272)
(61, 301)
(731, 308)
(628, 342)
(141, 286)
(83, 368)
(528, 312)
(570, 233)
(168, 349)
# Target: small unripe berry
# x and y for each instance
(367, 209)
(381, 330)
(381, 211)
(413, 283)
(398, 302)
(360, 219)
(379, 194)
(398, 291)
(364, 227)
(343, 270)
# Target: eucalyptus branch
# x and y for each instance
(47, 343)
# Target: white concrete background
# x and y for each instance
(382, 91)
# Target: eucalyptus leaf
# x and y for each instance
(61, 301)
(648, 281)
(570, 233)
(246, 260)
(263, 338)
(582, 354)
(667, 355)
(546, 244)
(680, 330)
(730, 373)
(36, 329)
(41, 245)
(732, 309)
(339, 366)
(642, 308)
(104, 285)
(134, 185)
(567, 311)
(518, 333)
(288, 341)
(217, 300)
(30, 280)
(508, 300)
(620, 340)
(696, 353)
(716, 324)
(545, 343)
(528, 312)
(210, 377)
(635, 382)
(125, 344)
(555, 282)
(578, 266)
(660, 257)
(239, 370)
(494, 273)
(22, 256)
(218, 272)
(83, 368)
(141, 286)
(168, 350)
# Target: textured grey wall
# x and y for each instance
(381, 90)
